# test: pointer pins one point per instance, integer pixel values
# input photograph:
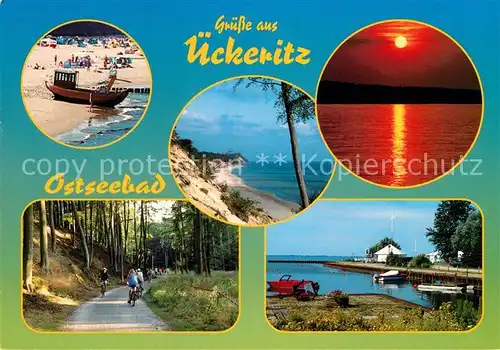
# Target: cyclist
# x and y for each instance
(104, 281)
(140, 279)
(132, 283)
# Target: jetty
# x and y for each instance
(473, 277)
(456, 275)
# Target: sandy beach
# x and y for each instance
(277, 208)
(56, 117)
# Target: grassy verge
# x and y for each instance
(367, 313)
(196, 303)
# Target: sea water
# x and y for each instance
(331, 279)
(426, 139)
(105, 129)
(281, 181)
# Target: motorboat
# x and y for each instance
(389, 276)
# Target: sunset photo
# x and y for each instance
(399, 103)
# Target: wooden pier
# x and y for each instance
(472, 277)
(415, 274)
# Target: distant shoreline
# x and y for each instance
(334, 92)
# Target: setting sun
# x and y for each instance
(400, 42)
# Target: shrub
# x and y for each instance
(415, 319)
(397, 260)
(224, 187)
(339, 297)
(465, 313)
(239, 205)
(420, 261)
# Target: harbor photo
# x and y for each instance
(375, 265)
(400, 104)
(86, 84)
(247, 151)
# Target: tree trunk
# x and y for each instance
(44, 240)
(92, 228)
(144, 224)
(126, 216)
(285, 91)
(54, 212)
(136, 260)
(106, 233)
(204, 247)
(74, 224)
(112, 237)
(28, 247)
(83, 238)
(52, 226)
(198, 234)
(120, 242)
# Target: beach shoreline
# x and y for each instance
(55, 118)
(278, 209)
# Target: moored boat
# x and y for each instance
(390, 276)
(446, 288)
(65, 89)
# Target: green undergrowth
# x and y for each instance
(449, 317)
(196, 303)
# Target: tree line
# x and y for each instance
(197, 242)
(458, 227)
(130, 235)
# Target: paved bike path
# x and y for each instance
(113, 313)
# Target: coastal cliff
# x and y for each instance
(208, 193)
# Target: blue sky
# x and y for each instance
(347, 227)
(244, 120)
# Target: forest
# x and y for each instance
(121, 235)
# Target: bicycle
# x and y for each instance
(135, 296)
(140, 290)
(103, 288)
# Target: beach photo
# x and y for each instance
(377, 266)
(247, 151)
(399, 103)
(127, 266)
(86, 84)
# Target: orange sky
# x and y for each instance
(429, 59)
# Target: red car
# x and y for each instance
(300, 289)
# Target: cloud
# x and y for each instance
(197, 122)
(308, 129)
(196, 116)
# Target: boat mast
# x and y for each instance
(392, 225)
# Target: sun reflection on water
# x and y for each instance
(398, 144)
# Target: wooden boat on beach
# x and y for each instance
(65, 89)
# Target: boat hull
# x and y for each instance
(283, 286)
(82, 96)
(438, 288)
(391, 279)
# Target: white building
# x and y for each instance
(434, 257)
(382, 254)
